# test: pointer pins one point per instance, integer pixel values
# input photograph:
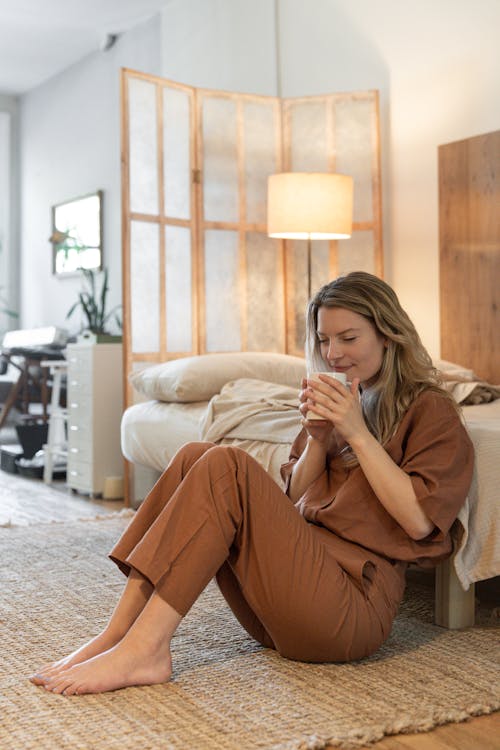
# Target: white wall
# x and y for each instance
(9, 209)
(221, 44)
(70, 146)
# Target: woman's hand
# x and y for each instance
(319, 430)
(335, 403)
(312, 462)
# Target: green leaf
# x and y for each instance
(72, 309)
(93, 302)
(104, 292)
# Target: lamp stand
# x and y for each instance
(308, 269)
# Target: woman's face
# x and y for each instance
(350, 343)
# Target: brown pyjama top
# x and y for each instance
(432, 446)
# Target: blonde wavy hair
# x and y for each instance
(407, 368)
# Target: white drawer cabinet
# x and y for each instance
(94, 407)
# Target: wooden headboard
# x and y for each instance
(469, 238)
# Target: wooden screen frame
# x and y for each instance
(198, 225)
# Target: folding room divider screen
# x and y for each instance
(199, 272)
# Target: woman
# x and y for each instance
(316, 573)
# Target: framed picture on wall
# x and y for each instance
(77, 234)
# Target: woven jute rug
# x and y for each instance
(57, 588)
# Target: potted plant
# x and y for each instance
(92, 303)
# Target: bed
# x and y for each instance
(250, 400)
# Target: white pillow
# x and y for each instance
(201, 377)
(452, 370)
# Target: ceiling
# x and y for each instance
(40, 38)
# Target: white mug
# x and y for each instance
(340, 376)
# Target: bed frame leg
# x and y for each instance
(139, 481)
(454, 607)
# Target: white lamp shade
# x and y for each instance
(309, 205)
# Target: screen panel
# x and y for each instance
(178, 289)
(357, 253)
(265, 295)
(222, 291)
(321, 273)
(261, 155)
(220, 159)
(177, 167)
(354, 148)
(307, 137)
(144, 287)
(143, 146)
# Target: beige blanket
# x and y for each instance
(251, 409)
(263, 419)
(467, 391)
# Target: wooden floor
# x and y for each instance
(482, 733)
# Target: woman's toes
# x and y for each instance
(72, 689)
(38, 675)
(54, 684)
(57, 687)
(40, 678)
(43, 675)
(46, 671)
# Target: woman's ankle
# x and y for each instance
(113, 633)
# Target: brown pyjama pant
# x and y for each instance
(292, 585)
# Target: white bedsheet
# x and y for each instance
(478, 554)
(153, 431)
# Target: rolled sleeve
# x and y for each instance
(439, 460)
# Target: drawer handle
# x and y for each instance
(74, 428)
(74, 405)
(74, 450)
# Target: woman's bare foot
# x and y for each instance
(102, 642)
(127, 663)
(130, 605)
(141, 657)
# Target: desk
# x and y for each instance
(28, 362)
